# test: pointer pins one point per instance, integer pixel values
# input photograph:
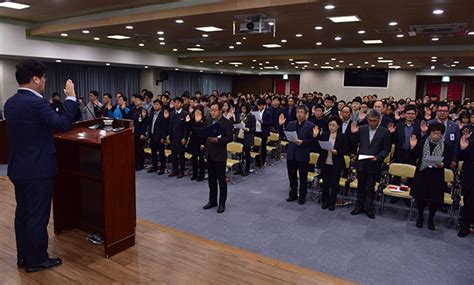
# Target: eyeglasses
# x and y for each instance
(442, 111)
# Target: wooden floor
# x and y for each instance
(162, 255)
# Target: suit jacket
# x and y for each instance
(379, 147)
(467, 179)
(249, 136)
(275, 116)
(301, 152)
(160, 128)
(178, 128)
(266, 122)
(30, 125)
(218, 151)
(140, 122)
(451, 135)
(398, 137)
(290, 116)
(340, 145)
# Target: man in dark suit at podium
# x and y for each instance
(216, 156)
(32, 167)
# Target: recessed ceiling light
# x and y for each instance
(254, 60)
(373, 65)
(271, 45)
(302, 62)
(434, 57)
(409, 62)
(471, 33)
(341, 61)
(146, 66)
(333, 58)
(141, 44)
(456, 61)
(160, 33)
(434, 60)
(58, 60)
(217, 62)
(338, 38)
(315, 64)
(64, 35)
(327, 62)
(205, 35)
(358, 66)
(129, 27)
(283, 41)
(319, 43)
(197, 45)
(118, 37)
(107, 64)
(337, 65)
(361, 32)
(318, 28)
(179, 21)
(85, 31)
(453, 65)
(238, 43)
(201, 61)
(384, 60)
(175, 49)
(394, 67)
(231, 47)
(176, 69)
(372, 42)
(290, 59)
(400, 35)
(200, 70)
(366, 62)
(162, 43)
(392, 23)
(471, 67)
(292, 63)
(267, 62)
(260, 63)
(208, 29)
(195, 49)
(391, 63)
(298, 35)
(13, 5)
(271, 23)
(351, 64)
(438, 12)
(380, 57)
(235, 63)
(329, 7)
(345, 19)
(96, 39)
(433, 67)
(412, 65)
(244, 38)
(435, 39)
(220, 60)
(327, 67)
(161, 39)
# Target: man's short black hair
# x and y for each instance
(55, 94)
(442, 104)
(436, 126)
(319, 106)
(95, 93)
(219, 104)
(357, 99)
(261, 102)
(165, 96)
(411, 108)
(330, 98)
(158, 101)
(139, 97)
(178, 99)
(335, 119)
(29, 68)
(148, 94)
(304, 108)
(107, 95)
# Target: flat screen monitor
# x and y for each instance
(366, 78)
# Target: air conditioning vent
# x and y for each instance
(254, 24)
(390, 30)
(459, 28)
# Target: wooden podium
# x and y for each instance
(95, 186)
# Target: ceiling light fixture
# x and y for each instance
(254, 60)
(400, 35)
(209, 29)
(361, 32)
(58, 60)
(108, 64)
(118, 37)
(434, 57)
(409, 62)
(201, 61)
(283, 41)
(64, 35)
(175, 49)
(176, 69)
(238, 43)
(271, 45)
(435, 39)
(438, 12)
(160, 33)
(141, 44)
(14, 5)
(129, 27)
(319, 43)
(433, 67)
(384, 60)
(235, 63)
(327, 67)
(319, 28)
(372, 42)
(471, 67)
(195, 49)
(162, 43)
(471, 33)
(298, 35)
(96, 39)
(85, 31)
(329, 7)
(338, 38)
(345, 19)
(161, 39)
(231, 47)
(146, 66)
(197, 45)
(392, 24)
(302, 62)
(205, 35)
(179, 21)
(456, 61)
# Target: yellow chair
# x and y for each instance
(147, 150)
(449, 197)
(401, 170)
(273, 138)
(258, 143)
(234, 149)
(313, 159)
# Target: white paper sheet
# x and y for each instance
(365, 156)
(326, 145)
(433, 160)
(291, 136)
(239, 126)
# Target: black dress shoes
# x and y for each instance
(301, 202)
(138, 168)
(324, 206)
(291, 199)
(332, 207)
(370, 214)
(193, 177)
(151, 170)
(172, 174)
(49, 263)
(431, 225)
(464, 231)
(209, 206)
(200, 179)
(160, 172)
(221, 209)
(181, 175)
(357, 211)
(419, 224)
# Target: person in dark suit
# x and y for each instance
(56, 103)
(331, 163)
(178, 137)
(429, 184)
(157, 132)
(297, 153)
(246, 135)
(195, 121)
(290, 110)
(262, 129)
(466, 154)
(346, 121)
(32, 166)
(371, 139)
(139, 115)
(385, 121)
(329, 108)
(216, 156)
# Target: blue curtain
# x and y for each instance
(179, 82)
(104, 79)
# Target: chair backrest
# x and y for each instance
(387, 159)
(402, 170)
(257, 141)
(448, 175)
(168, 141)
(313, 157)
(460, 166)
(235, 147)
(347, 161)
(273, 137)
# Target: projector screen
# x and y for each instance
(366, 78)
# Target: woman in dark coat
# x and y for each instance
(331, 163)
(467, 182)
(246, 135)
(429, 185)
(196, 143)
